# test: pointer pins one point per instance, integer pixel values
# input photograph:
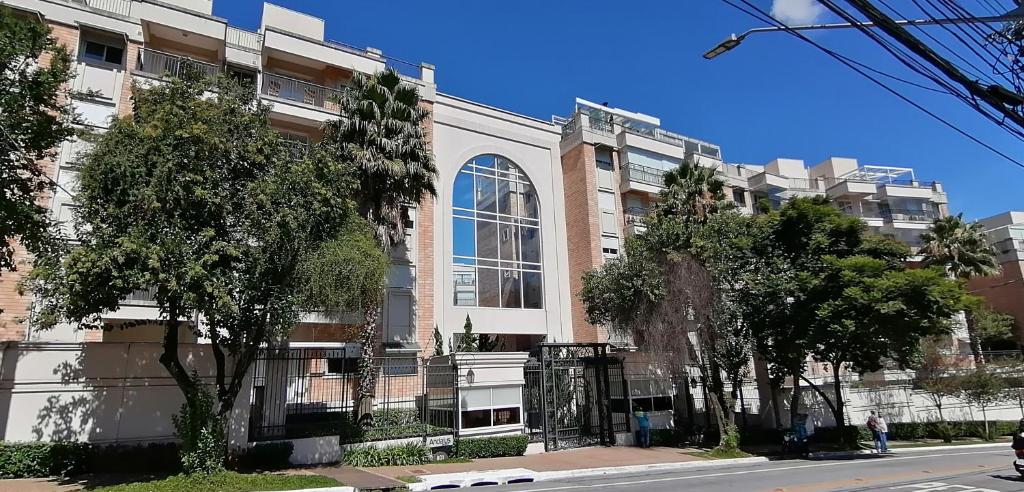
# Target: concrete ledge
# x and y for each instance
(467, 479)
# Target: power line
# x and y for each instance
(764, 16)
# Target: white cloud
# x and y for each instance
(793, 12)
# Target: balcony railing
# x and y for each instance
(909, 215)
(301, 91)
(690, 145)
(246, 40)
(643, 174)
(143, 297)
(163, 64)
(800, 184)
(601, 125)
(636, 215)
(119, 7)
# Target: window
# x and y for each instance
(341, 365)
(102, 52)
(609, 246)
(490, 407)
(496, 251)
(739, 198)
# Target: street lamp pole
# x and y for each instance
(734, 40)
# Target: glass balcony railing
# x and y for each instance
(301, 92)
(636, 215)
(163, 64)
(909, 215)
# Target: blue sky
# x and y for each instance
(774, 96)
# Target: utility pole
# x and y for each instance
(997, 97)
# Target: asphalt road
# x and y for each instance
(967, 470)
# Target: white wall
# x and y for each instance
(463, 130)
(98, 392)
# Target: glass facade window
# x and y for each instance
(496, 251)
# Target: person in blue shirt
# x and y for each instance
(643, 424)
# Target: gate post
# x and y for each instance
(544, 398)
(602, 392)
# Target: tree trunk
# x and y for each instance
(984, 416)
(794, 399)
(840, 412)
(938, 406)
(776, 412)
(170, 359)
(972, 337)
(828, 401)
(363, 408)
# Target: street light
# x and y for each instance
(734, 40)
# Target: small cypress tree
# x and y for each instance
(438, 342)
(468, 343)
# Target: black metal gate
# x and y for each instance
(568, 396)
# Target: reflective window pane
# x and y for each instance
(530, 244)
(529, 202)
(486, 239)
(511, 289)
(462, 194)
(504, 197)
(486, 200)
(488, 287)
(533, 295)
(506, 416)
(463, 237)
(464, 283)
(509, 235)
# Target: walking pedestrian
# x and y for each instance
(873, 427)
(883, 434)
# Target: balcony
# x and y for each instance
(849, 187)
(642, 178)
(298, 91)
(904, 215)
(160, 64)
(768, 183)
(635, 217)
(119, 7)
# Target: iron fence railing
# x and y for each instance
(601, 125)
(144, 297)
(309, 392)
(246, 40)
(643, 174)
(300, 91)
(570, 126)
(163, 64)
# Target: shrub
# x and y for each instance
(849, 434)
(201, 433)
(41, 459)
(406, 454)
(492, 447)
(265, 456)
(143, 458)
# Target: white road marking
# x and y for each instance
(760, 470)
(936, 486)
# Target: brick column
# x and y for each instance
(583, 231)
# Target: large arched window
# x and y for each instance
(496, 256)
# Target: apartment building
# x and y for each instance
(1005, 292)
(490, 247)
(614, 163)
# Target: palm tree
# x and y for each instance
(380, 132)
(963, 250)
(693, 192)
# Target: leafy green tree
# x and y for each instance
(35, 117)
(871, 311)
(197, 199)
(438, 342)
(381, 134)
(995, 330)
(963, 250)
(983, 389)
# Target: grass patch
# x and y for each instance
(409, 479)
(929, 443)
(721, 454)
(225, 482)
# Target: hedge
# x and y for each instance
(49, 459)
(950, 430)
(492, 447)
(404, 455)
(264, 456)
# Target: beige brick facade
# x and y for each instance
(583, 230)
(424, 300)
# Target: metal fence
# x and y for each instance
(119, 7)
(643, 174)
(308, 392)
(242, 39)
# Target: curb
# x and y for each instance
(329, 489)
(842, 454)
(467, 479)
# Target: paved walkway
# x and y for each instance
(573, 459)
